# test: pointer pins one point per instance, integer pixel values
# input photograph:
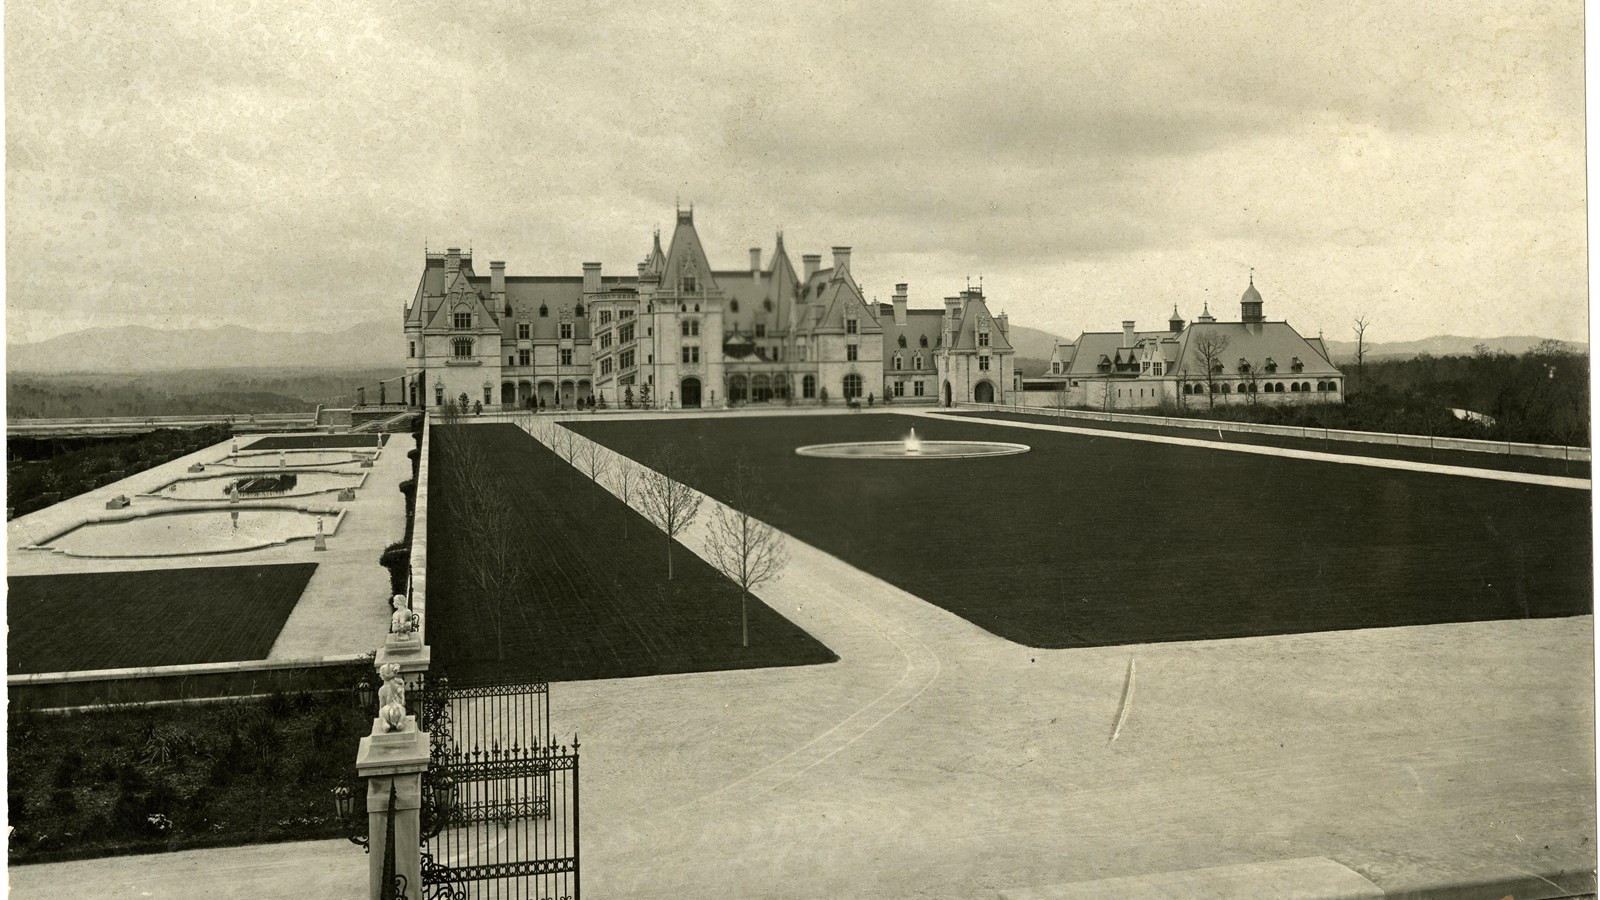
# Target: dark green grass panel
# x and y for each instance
(596, 603)
(1536, 465)
(314, 442)
(1090, 541)
(153, 617)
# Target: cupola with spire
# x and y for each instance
(1175, 324)
(1250, 303)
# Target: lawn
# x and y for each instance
(315, 442)
(148, 779)
(1088, 541)
(1536, 465)
(151, 617)
(596, 602)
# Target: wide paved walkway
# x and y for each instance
(937, 760)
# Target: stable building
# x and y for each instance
(1204, 363)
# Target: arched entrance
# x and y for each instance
(736, 389)
(947, 393)
(508, 393)
(585, 391)
(547, 393)
(760, 388)
(566, 394)
(983, 392)
(524, 393)
(689, 390)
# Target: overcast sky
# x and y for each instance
(276, 166)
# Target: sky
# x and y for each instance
(283, 167)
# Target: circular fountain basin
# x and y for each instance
(188, 533)
(294, 458)
(214, 487)
(927, 450)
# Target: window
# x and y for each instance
(1271, 366)
(625, 333)
(1144, 367)
(511, 360)
(733, 306)
(524, 331)
(683, 328)
(625, 359)
(605, 340)
(1157, 369)
(566, 331)
(461, 349)
(850, 353)
(1296, 364)
(688, 285)
(691, 354)
(852, 326)
(766, 305)
(624, 314)
(605, 366)
(922, 342)
(899, 388)
(1055, 368)
(983, 363)
(578, 310)
(852, 387)
(916, 389)
(1294, 386)
(916, 361)
(761, 331)
(902, 342)
(897, 361)
(544, 311)
(438, 395)
(1226, 389)
(411, 348)
(524, 357)
(1333, 385)
(605, 317)
(463, 320)
(983, 339)
(808, 387)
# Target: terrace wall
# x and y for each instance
(418, 589)
(1043, 403)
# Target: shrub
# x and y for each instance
(397, 559)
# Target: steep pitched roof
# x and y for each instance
(839, 298)
(1255, 343)
(920, 323)
(967, 336)
(687, 255)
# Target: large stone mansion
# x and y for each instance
(689, 335)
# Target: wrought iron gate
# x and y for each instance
(503, 821)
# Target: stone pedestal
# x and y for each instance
(409, 653)
(394, 759)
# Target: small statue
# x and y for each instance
(402, 621)
(392, 697)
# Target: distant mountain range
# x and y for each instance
(373, 345)
(135, 348)
(1441, 345)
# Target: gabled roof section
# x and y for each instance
(840, 297)
(687, 256)
(920, 323)
(459, 292)
(967, 336)
(1255, 343)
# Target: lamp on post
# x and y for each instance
(344, 805)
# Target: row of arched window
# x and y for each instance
(1266, 387)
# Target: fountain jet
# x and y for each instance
(913, 443)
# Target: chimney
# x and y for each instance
(755, 262)
(900, 304)
(641, 271)
(452, 260)
(812, 262)
(841, 260)
(1127, 333)
(1004, 321)
(952, 307)
(497, 281)
(591, 278)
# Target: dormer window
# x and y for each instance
(852, 326)
(566, 331)
(524, 331)
(463, 320)
(1055, 368)
(544, 311)
(902, 342)
(917, 361)
(1271, 366)
(1244, 366)
(897, 361)
(766, 305)
(922, 342)
(688, 285)
(578, 310)
(733, 306)
(1157, 369)
(1296, 364)
(761, 330)
(983, 339)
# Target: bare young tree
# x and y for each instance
(566, 443)
(1361, 350)
(750, 552)
(595, 459)
(627, 487)
(667, 500)
(490, 553)
(1209, 346)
